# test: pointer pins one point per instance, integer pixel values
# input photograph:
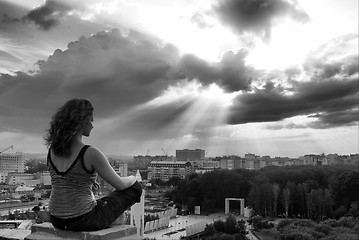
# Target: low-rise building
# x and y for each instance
(281, 161)
(44, 178)
(25, 179)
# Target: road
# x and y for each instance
(179, 224)
(5, 211)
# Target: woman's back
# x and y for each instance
(71, 194)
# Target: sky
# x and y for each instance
(268, 77)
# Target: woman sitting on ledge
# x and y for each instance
(74, 166)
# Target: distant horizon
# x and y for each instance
(211, 156)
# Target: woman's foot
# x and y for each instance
(121, 220)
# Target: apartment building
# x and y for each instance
(12, 162)
(190, 155)
(142, 162)
(167, 169)
(312, 159)
(281, 161)
(232, 162)
(3, 177)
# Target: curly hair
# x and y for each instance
(66, 123)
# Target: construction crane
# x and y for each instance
(12, 147)
(164, 152)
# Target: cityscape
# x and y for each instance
(238, 118)
(21, 190)
(164, 167)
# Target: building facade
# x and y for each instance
(142, 162)
(167, 169)
(44, 178)
(190, 155)
(25, 179)
(12, 162)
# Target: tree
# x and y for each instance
(230, 226)
(344, 188)
(35, 165)
(38, 218)
(209, 230)
(286, 199)
(230, 229)
(260, 196)
(174, 181)
(276, 191)
(320, 203)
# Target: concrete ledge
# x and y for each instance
(47, 231)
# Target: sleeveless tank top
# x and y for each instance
(71, 194)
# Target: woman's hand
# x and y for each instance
(95, 186)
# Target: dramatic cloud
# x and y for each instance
(27, 42)
(336, 57)
(326, 97)
(328, 92)
(230, 73)
(47, 16)
(112, 70)
(129, 80)
(257, 16)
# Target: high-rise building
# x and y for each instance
(12, 162)
(190, 155)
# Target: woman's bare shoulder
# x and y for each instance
(93, 152)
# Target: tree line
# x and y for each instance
(314, 192)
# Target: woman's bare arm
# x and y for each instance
(99, 162)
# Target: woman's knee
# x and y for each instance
(132, 193)
(137, 187)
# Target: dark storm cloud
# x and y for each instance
(338, 118)
(6, 19)
(230, 73)
(113, 71)
(257, 16)
(10, 13)
(324, 99)
(47, 16)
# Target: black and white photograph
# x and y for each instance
(179, 119)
